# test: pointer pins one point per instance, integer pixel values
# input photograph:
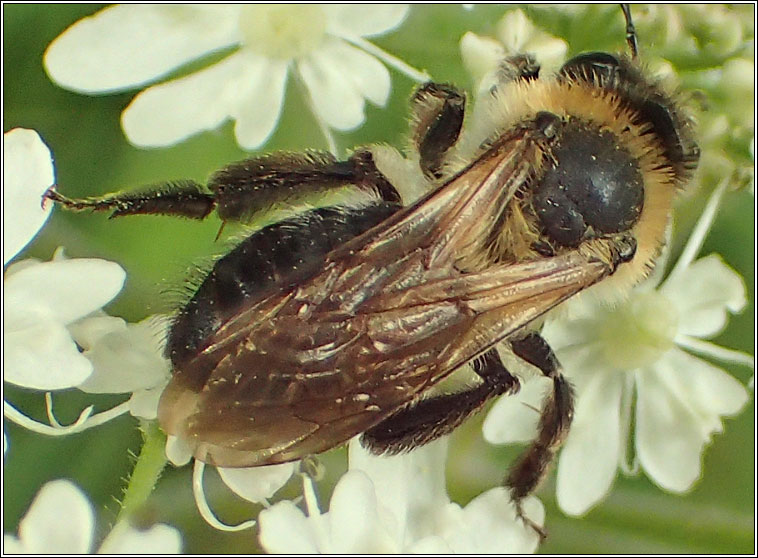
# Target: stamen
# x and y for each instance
(715, 351)
(387, 58)
(323, 126)
(205, 509)
(698, 234)
(85, 421)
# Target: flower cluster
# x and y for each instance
(61, 521)
(631, 364)
(649, 403)
(399, 504)
(130, 46)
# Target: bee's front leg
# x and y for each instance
(437, 119)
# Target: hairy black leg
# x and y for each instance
(241, 190)
(438, 111)
(248, 187)
(183, 198)
(555, 420)
(518, 67)
(433, 417)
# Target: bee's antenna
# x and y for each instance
(631, 33)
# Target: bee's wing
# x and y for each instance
(300, 384)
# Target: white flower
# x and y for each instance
(517, 35)
(130, 46)
(27, 173)
(61, 521)
(632, 368)
(49, 307)
(399, 504)
(42, 298)
(51, 310)
(126, 358)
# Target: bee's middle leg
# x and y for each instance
(555, 420)
(430, 418)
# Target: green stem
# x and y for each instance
(147, 470)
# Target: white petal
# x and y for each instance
(407, 481)
(364, 20)
(129, 45)
(173, 111)
(679, 405)
(158, 539)
(355, 526)
(575, 328)
(513, 418)
(284, 529)
(177, 451)
(127, 358)
(549, 52)
(144, 402)
(256, 484)
(480, 55)
(514, 29)
(703, 293)
(369, 76)
(260, 104)
(27, 173)
(334, 96)
(40, 354)
(703, 387)
(68, 289)
(13, 545)
(59, 521)
(488, 525)
(88, 331)
(589, 458)
(432, 545)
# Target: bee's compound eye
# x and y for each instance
(591, 66)
(596, 184)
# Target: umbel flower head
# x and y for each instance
(632, 364)
(399, 504)
(42, 298)
(130, 46)
(61, 521)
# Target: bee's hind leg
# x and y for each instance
(430, 418)
(242, 190)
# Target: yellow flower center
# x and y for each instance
(283, 31)
(638, 333)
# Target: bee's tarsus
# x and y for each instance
(539, 529)
(627, 248)
(547, 124)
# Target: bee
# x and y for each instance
(345, 319)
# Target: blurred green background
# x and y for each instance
(92, 157)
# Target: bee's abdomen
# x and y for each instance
(272, 259)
